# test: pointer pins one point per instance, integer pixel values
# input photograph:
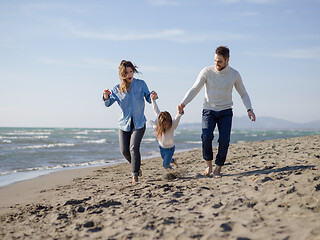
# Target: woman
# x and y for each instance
(130, 95)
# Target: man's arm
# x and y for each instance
(245, 98)
(193, 91)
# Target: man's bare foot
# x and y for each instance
(217, 172)
(207, 172)
(134, 179)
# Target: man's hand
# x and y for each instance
(180, 108)
(251, 115)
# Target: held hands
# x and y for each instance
(106, 94)
(180, 108)
(154, 95)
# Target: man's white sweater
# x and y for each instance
(218, 88)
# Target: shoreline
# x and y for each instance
(28, 175)
(269, 189)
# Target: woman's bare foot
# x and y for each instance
(134, 179)
(175, 163)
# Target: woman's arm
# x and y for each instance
(108, 98)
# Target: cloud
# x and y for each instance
(302, 53)
(173, 35)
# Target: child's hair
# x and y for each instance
(164, 123)
(124, 85)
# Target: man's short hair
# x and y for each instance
(223, 51)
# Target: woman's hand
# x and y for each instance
(106, 94)
(154, 95)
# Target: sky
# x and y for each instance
(57, 57)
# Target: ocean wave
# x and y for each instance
(80, 137)
(148, 140)
(52, 145)
(82, 132)
(60, 166)
(85, 132)
(6, 141)
(103, 131)
(24, 137)
(27, 133)
(194, 142)
(96, 141)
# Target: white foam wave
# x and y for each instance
(82, 133)
(27, 133)
(80, 137)
(103, 131)
(85, 132)
(52, 145)
(194, 142)
(71, 165)
(149, 140)
(96, 141)
(6, 141)
(24, 137)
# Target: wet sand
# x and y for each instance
(269, 190)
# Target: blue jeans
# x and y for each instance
(223, 119)
(166, 155)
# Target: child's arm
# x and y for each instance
(176, 121)
(155, 107)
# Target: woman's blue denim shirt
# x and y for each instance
(131, 104)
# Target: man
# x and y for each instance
(217, 107)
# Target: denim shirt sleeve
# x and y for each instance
(146, 92)
(112, 98)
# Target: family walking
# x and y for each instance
(132, 93)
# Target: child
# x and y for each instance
(164, 127)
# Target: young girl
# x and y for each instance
(164, 127)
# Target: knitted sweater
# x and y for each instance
(218, 88)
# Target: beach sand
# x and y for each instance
(269, 190)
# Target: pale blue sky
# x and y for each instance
(56, 57)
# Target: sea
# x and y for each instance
(27, 153)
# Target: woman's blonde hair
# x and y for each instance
(124, 85)
(164, 123)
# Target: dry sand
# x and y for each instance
(269, 190)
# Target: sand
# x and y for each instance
(269, 190)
